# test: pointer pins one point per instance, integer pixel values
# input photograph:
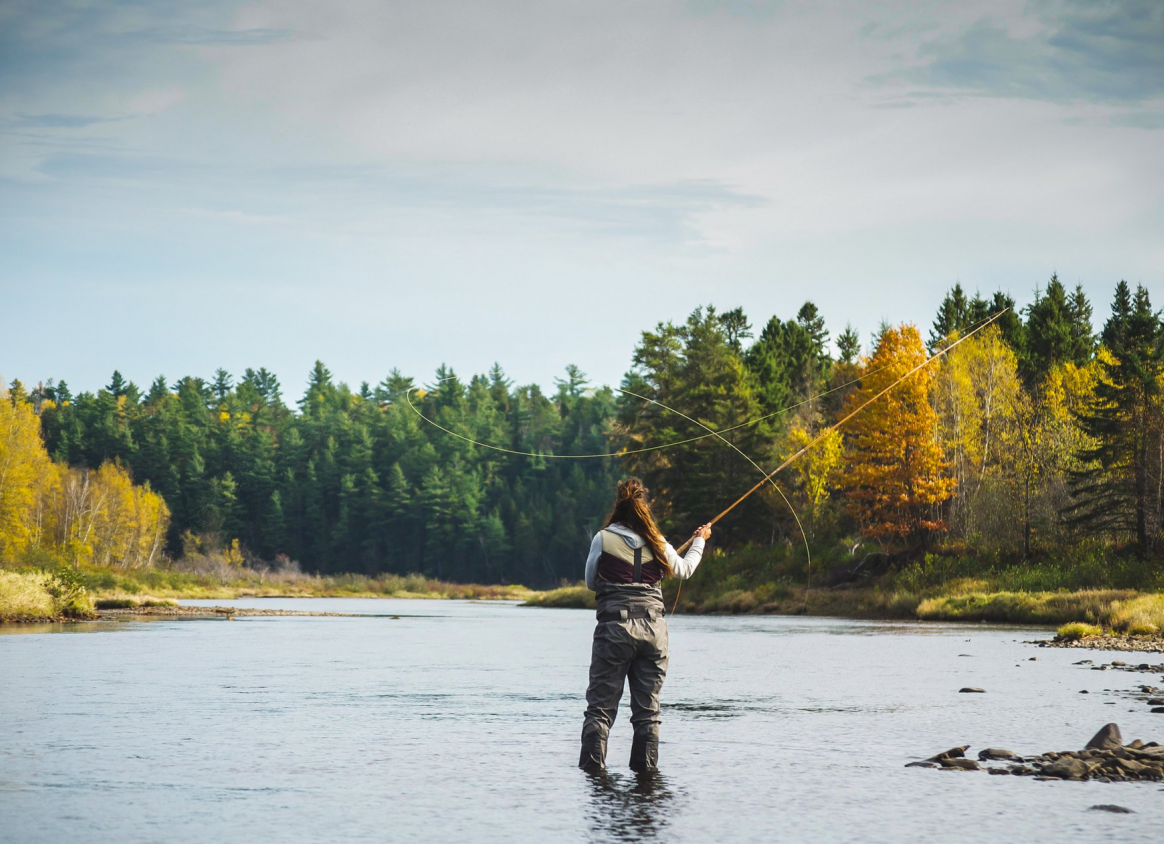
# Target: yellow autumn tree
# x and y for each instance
(895, 475)
(99, 517)
(813, 474)
(25, 468)
(974, 392)
(1047, 438)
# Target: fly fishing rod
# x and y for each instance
(838, 424)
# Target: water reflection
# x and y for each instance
(628, 808)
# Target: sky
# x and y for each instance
(187, 186)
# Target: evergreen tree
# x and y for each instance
(849, 345)
(1058, 331)
(1120, 490)
(954, 314)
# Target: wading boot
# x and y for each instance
(644, 758)
(593, 757)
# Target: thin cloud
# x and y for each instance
(1082, 52)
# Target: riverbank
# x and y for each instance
(67, 594)
(1126, 612)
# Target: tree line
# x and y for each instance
(1025, 439)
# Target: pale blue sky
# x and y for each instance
(378, 184)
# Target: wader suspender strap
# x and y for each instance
(638, 565)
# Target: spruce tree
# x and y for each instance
(848, 344)
(953, 315)
(1119, 491)
(1058, 331)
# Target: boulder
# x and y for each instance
(952, 753)
(1108, 738)
(997, 754)
(1067, 769)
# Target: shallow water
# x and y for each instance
(460, 721)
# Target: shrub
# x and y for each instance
(1079, 630)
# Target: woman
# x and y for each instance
(628, 559)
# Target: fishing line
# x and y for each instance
(711, 433)
(549, 456)
(759, 468)
(718, 435)
(849, 416)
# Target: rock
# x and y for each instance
(997, 771)
(926, 764)
(1135, 744)
(997, 755)
(971, 690)
(1109, 807)
(1158, 710)
(1108, 738)
(963, 764)
(1067, 769)
(952, 753)
(1156, 701)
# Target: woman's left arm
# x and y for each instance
(683, 567)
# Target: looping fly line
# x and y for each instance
(767, 476)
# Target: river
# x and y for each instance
(459, 721)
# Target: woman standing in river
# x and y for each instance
(628, 560)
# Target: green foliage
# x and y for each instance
(1075, 630)
(1118, 489)
(578, 596)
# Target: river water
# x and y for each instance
(459, 721)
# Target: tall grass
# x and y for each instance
(41, 594)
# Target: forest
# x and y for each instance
(1032, 439)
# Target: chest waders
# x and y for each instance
(630, 643)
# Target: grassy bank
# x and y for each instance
(1093, 589)
(247, 583)
(27, 595)
(56, 591)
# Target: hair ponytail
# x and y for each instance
(631, 508)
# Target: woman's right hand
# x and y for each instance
(703, 531)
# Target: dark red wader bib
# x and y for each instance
(630, 643)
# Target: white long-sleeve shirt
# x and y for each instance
(681, 567)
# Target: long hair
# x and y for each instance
(632, 510)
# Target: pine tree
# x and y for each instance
(848, 345)
(222, 385)
(1120, 491)
(953, 315)
(1058, 330)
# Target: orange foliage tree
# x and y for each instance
(895, 475)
